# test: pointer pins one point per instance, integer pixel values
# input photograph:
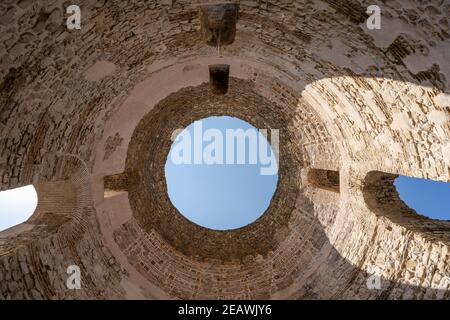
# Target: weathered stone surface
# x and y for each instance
(350, 100)
(219, 75)
(218, 23)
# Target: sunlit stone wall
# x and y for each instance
(358, 100)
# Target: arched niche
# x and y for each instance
(382, 198)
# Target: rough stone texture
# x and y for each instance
(112, 144)
(126, 181)
(63, 231)
(383, 199)
(218, 23)
(324, 179)
(150, 202)
(351, 100)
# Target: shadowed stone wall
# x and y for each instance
(352, 100)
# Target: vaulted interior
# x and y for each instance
(92, 111)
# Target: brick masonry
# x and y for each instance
(351, 100)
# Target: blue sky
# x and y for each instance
(16, 206)
(428, 197)
(220, 197)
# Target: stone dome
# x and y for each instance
(87, 115)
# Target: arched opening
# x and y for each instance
(429, 198)
(221, 173)
(17, 206)
(383, 199)
(324, 179)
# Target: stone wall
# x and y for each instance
(352, 100)
(324, 179)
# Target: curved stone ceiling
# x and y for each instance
(74, 106)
